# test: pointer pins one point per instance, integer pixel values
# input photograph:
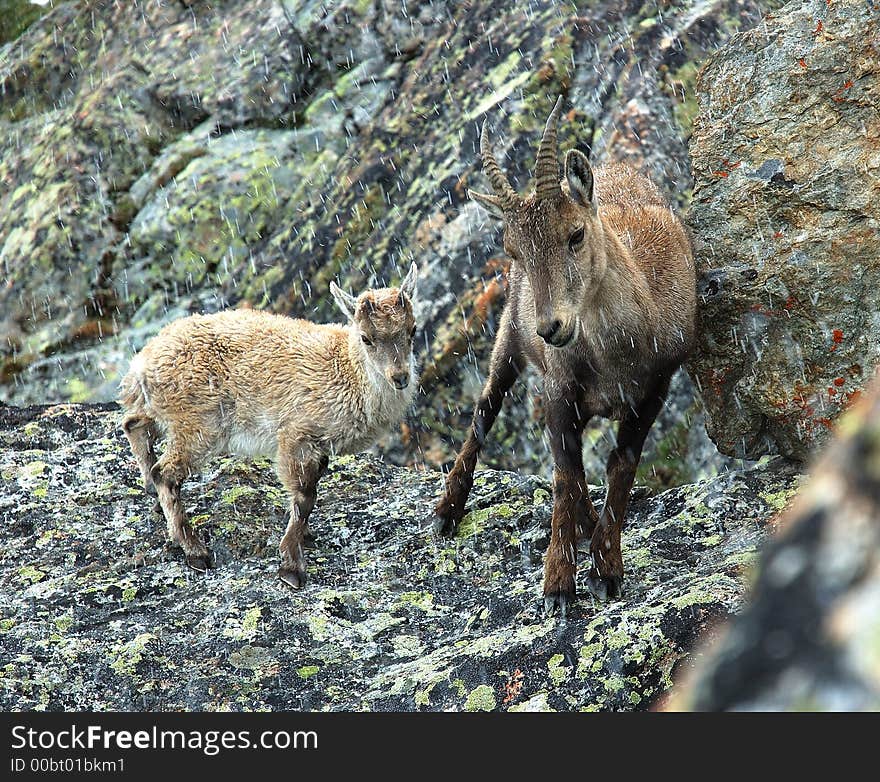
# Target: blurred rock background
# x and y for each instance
(809, 636)
(159, 159)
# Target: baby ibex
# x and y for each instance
(258, 384)
(602, 299)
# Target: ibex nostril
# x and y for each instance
(400, 381)
(547, 330)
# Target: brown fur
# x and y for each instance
(607, 318)
(258, 384)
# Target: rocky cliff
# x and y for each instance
(786, 212)
(191, 156)
(96, 612)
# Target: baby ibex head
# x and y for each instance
(554, 233)
(384, 328)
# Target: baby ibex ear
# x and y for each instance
(579, 176)
(408, 286)
(345, 301)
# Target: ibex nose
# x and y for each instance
(547, 329)
(400, 380)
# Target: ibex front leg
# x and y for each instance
(506, 365)
(300, 467)
(606, 575)
(572, 508)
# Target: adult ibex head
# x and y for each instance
(554, 233)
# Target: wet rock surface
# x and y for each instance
(97, 612)
(188, 157)
(15, 17)
(809, 638)
(786, 213)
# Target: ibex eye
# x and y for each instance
(366, 340)
(575, 239)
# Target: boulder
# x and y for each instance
(786, 214)
(97, 612)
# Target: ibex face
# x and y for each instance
(554, 234)
(385, 325)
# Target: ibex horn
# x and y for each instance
(500, 185)
(547, 165)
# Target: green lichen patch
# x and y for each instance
(128, 655)
(244, 627)
(558, 671)
(481, 698)
(30, 575)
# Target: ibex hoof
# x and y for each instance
(201, 563)
(604, 588)
(443, 526)
(295, 579)
(557, 600)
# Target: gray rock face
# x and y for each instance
(786, 210)
(96, 612)
(184, 158)
(15, 16)
(809, 638)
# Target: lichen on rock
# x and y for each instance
(786, 212)
(98, 611)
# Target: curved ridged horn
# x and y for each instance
(499, 182)
(547, 165)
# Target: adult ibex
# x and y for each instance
(602, 299)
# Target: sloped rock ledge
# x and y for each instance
(97, 612)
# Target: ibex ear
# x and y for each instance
(491, 203)
(345, 301)
(408, 286)
(579, 176)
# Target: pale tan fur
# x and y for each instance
(258, 384)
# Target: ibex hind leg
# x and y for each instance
(606, 575)
(168, 474)
(506, 365)
(142, 433)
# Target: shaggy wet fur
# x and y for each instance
(257, 384)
